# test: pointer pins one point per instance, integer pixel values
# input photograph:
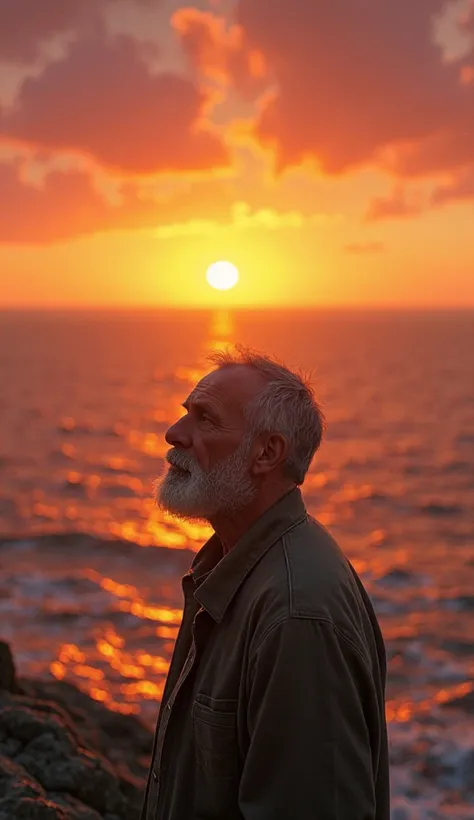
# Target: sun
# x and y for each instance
(222, 275)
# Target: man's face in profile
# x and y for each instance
(210, 460)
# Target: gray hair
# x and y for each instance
(286, 405)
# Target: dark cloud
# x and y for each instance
(355, 78)
(25, 25)
(103, 101)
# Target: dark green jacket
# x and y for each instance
(274, 704)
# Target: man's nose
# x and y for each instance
(178, 435)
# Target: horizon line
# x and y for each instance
(142, 307)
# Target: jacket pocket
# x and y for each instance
(217, 759)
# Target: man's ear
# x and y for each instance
(272, 450)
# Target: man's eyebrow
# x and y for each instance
(199, 405)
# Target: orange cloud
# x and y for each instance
(354, 79)
(103, 101)
(460, 188)
(395, 206)
(467, 75)
(217, 50)
(449, 149)
(241, 217)
(68, 205)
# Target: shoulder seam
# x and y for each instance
(352, 643)
(318, 619)
(269, 629)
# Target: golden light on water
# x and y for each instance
(222, 275)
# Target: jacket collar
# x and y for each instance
(217, 577)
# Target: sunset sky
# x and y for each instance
(326, 148)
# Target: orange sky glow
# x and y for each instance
(326, 150)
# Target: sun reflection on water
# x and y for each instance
(123, 679)
(402, 710)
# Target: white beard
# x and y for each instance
(189, 492)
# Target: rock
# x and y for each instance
(64, 756)
(21, 797)
(122, 739)
(8, 679)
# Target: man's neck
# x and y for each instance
(230, 527)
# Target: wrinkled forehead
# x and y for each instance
(228, 389)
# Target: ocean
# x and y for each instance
(90, 570)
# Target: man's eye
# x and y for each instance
(203, 416)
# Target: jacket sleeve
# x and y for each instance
(311, 701)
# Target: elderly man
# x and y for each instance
(274, 704)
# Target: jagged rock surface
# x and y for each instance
(64, 756)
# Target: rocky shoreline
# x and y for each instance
(64, 756)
